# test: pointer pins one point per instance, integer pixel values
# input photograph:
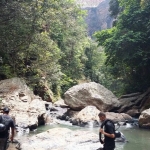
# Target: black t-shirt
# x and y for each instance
(10, 123)
(109, 128)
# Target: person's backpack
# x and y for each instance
(117, 133)
(4, 122)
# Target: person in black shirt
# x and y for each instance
(108, 132)
(9, 123)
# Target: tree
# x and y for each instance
(69, 32)
(127, 45)
(42, 38)
(94, 63)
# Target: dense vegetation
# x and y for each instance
(127, 44)
(45, 42)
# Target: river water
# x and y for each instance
(138, 139)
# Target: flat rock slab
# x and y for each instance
(62, 139)
(12, 146)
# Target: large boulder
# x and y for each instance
(144, 119)
(26, 108)
(89, 117)
(82, 95)
(119, 117)
(89, 113)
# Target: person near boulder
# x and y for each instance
(6, 123)
(108, 132)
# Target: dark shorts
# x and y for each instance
(108, 148)
(3, 143)
(105, 149)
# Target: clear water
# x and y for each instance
(138, 139)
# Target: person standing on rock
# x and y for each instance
(108, 130)
(6, 123)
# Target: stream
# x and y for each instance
(138, 139)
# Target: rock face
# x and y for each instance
(82, 95)
(133, 104)
(98, 16)
(89, 3)
(26, 108)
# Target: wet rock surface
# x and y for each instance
(62, 139)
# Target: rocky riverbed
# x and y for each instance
(58, 139)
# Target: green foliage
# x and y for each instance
(97, 71)
(5, 71)
(66, 83)
(94, 62)
(127, 46)
(42, 39)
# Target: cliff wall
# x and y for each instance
(98, 16)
